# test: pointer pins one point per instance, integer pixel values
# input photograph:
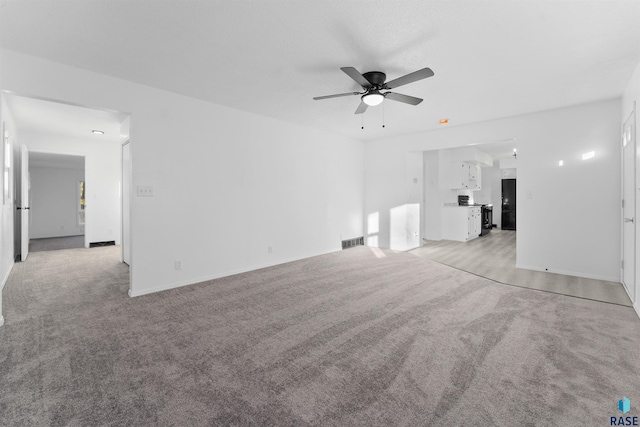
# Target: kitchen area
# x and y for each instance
(464, 186)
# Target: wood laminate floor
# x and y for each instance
(494, 256)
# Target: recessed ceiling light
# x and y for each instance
(444, 121)
(97, 132)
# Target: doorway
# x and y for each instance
(57, 201)
(508, 204)
(22, 215)
(62, 128)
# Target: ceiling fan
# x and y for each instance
(373, 82)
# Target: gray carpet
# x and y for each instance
(358, 337)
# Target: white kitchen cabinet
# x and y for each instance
(475, 222)
(461, 223)
(474, 172)
(459, 175)
(464, 176)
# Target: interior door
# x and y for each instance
(126, 203)
(628, 208)
(508, 204)
(25, 208)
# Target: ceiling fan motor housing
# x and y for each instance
(376, 78)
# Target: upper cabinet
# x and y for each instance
(465, 168)
(465, 176)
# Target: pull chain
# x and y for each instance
(362, 117)
(383, 114)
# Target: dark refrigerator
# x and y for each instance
(508, 204)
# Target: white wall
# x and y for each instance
(228, 184)
(102, 178)
(569, 216)
(631, 93)
(433, 200)
(571, 224)
(54, 202)
(405, 221)
(6, 208)
(491, 191)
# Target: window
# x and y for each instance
(81, 200)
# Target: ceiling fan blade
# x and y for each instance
(355, 75)
(337, 95)
(361, 108)
(403, 98)
(410, 78)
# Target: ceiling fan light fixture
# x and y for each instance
(373, 98)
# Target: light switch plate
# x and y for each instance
(144, 191)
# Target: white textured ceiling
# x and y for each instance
(51, 160)
(71, 121)
(491, 58)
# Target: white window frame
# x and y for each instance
(82, 210)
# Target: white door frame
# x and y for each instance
(125, 204)
(87, 216)
(629, 204)
(25, 202)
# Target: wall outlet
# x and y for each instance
(178, 264)
(62, 227)
(109, 231)
(144, 191)
(270, 249)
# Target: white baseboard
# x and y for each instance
(635, 306)
(6, 277)
(133, 293)
(571, 273)
(4, 282)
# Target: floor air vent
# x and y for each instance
(358, 241)
(99, 244)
